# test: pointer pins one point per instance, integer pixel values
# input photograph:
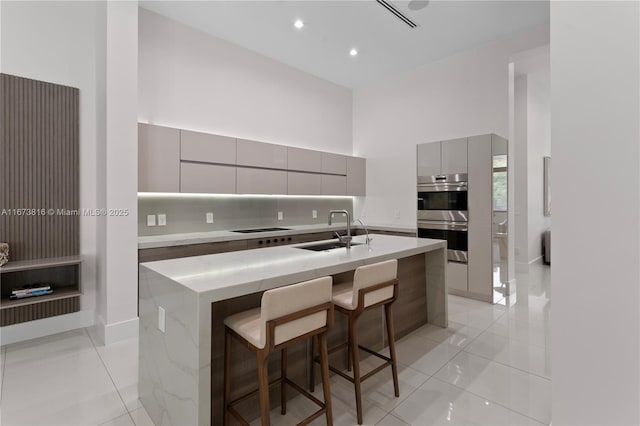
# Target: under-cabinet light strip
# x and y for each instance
(191, 195)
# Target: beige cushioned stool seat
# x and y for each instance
(345, 294)
(278, 302)
(246, 324)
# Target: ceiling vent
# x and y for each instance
(391, 8)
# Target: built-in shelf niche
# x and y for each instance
(62, 274)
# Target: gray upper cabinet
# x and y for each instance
(207, 148)
(356, 176)
(442, 158)
(334, 163)
(334, 185)
(158, 158)
(259, 154)
(304, 160)
(207, 178)
(429, 157)
(260, 181)
(177, 160)
(304, 183)
(454, 156)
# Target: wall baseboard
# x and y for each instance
(116, 332)
(46, 326)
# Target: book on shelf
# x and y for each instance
(33, 288)
(30, 294)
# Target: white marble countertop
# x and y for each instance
(226, 275)
(170, 240)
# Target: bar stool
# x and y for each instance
(373, 285)
(287, 315)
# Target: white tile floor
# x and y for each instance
(490, 367)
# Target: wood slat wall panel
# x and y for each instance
(40, 310)
(39, 144)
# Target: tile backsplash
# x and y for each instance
(187, 213)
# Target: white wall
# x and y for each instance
(463, 95)
(532, 144)
(189, 79)
(519, 163)
(595, 129)
(56, 42)
(538, 146)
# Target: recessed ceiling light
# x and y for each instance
(298, 24)
(353, 52)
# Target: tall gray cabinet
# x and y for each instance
(473, 155)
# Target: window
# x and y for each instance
(500, 183)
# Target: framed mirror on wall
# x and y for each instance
(547, 186)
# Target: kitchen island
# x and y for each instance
(180, 370)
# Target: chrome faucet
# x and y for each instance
(346, 238)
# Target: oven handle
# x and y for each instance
(443, 187)
(447, 226)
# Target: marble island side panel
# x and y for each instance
(169, 364)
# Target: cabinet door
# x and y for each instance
(429, 159)
(207, 178)
(304, 160)
(356, 176)
(334, 185)
(261, 181)
(158, 158)
(480, 196)
(454, 156)
(457, 276)
(304, 183)
(196, 146)
(259, 154)
(334, 163)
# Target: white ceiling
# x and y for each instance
(386, 45)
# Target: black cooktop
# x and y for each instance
(251, 231)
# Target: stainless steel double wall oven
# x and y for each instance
(443, 212)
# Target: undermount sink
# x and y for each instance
(327, 246)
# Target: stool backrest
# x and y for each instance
(280, 302)
(369, 275)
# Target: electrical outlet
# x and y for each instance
(209, 217)
(162, 219)
(397, 214)
(162, 316)
(280, 215)
(151, 220)
(314, 214)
